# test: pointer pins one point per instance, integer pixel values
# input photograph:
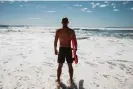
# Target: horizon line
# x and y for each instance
(69, 26)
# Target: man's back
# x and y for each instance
(65, 36)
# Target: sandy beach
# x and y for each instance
(27, 61)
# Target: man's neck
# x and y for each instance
(65, 27)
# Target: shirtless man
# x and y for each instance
(65, 35)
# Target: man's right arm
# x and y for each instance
(75, 39)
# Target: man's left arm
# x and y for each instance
(55, 43)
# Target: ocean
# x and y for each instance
(82, 32)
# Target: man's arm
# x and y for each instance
(75, 39)
(55, 42)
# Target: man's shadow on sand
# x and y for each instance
(81, 82)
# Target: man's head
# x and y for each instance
(65, 21)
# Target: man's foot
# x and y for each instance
(70, 83)
(58, 80)
(58, 84)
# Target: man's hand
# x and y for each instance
(56, 52)
(75, 49)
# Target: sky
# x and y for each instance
(80, 13)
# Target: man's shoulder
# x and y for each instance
(60, 29)
(57, 30)
(72, 31)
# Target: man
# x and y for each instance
(65, 35)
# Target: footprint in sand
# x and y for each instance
(91, 64)
(24, 56)
(111, 63)
(111, 67)
(48, 64)
(129, 70)
(97, 85)
(53, 76)
(116, 78)
(4, 70)
(5, 62)
(124, 61)
(101, 62)
(97, 57)
(21, 64)
(118, 53)
(106, 76)
(9, 59)
(122, 66)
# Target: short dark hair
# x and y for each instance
(65, 19)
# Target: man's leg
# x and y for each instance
(59, 70)
(70, 71)
(61, 60)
